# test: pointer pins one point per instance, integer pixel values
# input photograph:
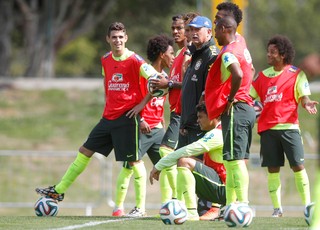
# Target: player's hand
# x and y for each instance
(135, 111)
(144, 127)
(228, 108)
(310, 106)
(154, 174)
(183, 132)
(160, 83)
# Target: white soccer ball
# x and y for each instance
(173, 212)
(46, 206)
(157, 92)
(308, 213)
(238, 215)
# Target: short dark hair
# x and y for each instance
(284, 46)
(118, 26)
(227, 22)
(177, 17)
(201, 107)
(158, 44)
(234, 9)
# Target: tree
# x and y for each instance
(294, 18)
(49, 25)
(6, 25)
(41, 28)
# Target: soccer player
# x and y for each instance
(170, 139)
(195, 178)
(227, 95)
(281, 88)
(122, 70)
(161, 55)
(232, 10)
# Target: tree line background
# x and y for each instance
(66, 38)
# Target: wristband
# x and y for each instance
(187, 52)
(142, 119)
(170, 84)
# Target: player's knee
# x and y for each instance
(185, 162)
(87, 152)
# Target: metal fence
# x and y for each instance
(22, 171)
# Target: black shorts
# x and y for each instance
(121, 134)
(237, 131)
(192, 136)
(208, 184)
(170, 138)
(274, 144)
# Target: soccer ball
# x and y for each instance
(157, 92)
(173, 212)
(238, 215)
(258, 106)
(46, 206)
(308, 212)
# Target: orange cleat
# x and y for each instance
(211, 214)
(118, 212)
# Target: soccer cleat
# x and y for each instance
(211, 214)
(277, 212)
(220, 216)
(50, 192)
(136, 212)
(193, 215)
(118, 212)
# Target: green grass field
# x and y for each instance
(103, 222)
(60, 120)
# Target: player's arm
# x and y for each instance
(205, 144)
(236, 80)
(303, 91)
(232, 68)
(309, 105)
(171, 159)
(253, 93)
(139, 107)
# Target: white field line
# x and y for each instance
(90, 224)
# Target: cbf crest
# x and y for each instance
(198, 64)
